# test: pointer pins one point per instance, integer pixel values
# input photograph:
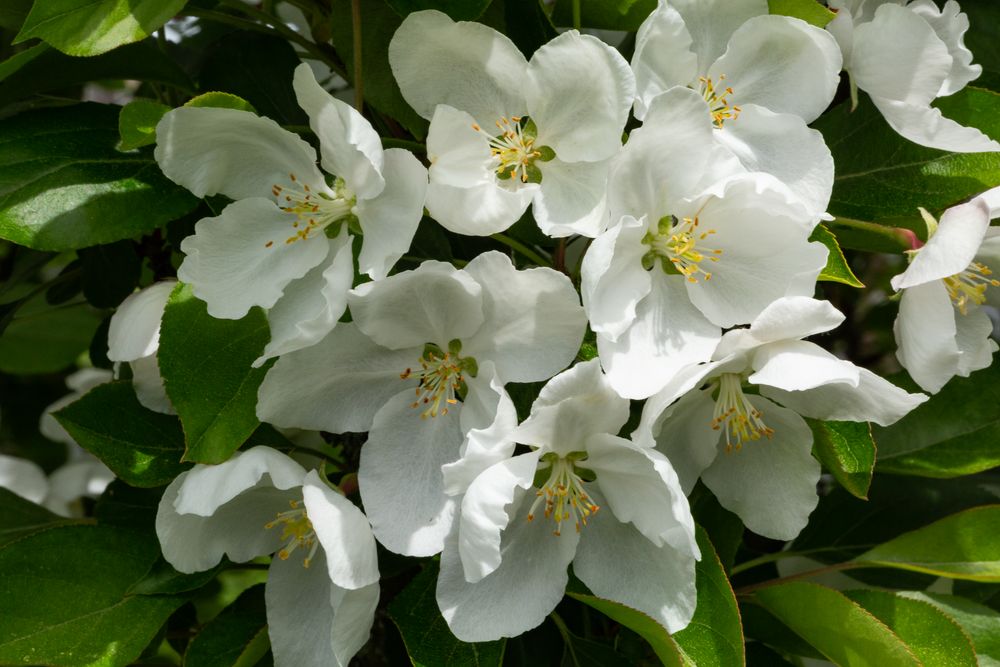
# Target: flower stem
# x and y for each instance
(577, 22)
(836, 567)
(521, 248)
(359, 88)
(873, 237)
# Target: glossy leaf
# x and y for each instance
(665, 647)
(837, 627)
(837, 269)
(137, 123)
(205, 365)
(220, 100)
(237, 637)
(978, 621)
(809, 11)
(64, 186)
(847, 450)
(89, 27)
(142, 447)
(20, 517)
(46, 339)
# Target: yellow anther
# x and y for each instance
(313, 212)
(680, 246)
(512, 149)
(441, 376)
(970, 286)
(564, 497)
(736, 415)
(718, 100)
(296, 531)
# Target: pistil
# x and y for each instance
(563, 496)
(297, 531)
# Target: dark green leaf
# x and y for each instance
(760, 625)
(962, 546)
(847, 450)
(724, 528)
(459, 10)
(137, 123)
(935, 639)
(46, 339)
(102, 195)
(128, 507)
(527, 24)
(715, 635)
(13, 13)
(837, 627)
(979, 622)
(205, 365)
(428, 640)
(20, 59)
(91, 27)
(580, 652)
(20, 517)
(237, 637)
(142, 447)
(625, 15)
(163, 579)
(837, 269)
(64, 598)
(954, 433)
(659, 639)
(110, 273)
(220, 101)
(809, 11)
(760, 655)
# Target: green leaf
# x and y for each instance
(64, 598)
(809, 11)
(129, 507)
(935, 639)
(20, 59)
(837, 627)
(220, 100)
(954, 433)
(847, 450)
(205, 365)
(580, 652)
(962, 546)
(428, 640)
(13, 13)
(64, 186)
(91, 27)
(458, 10)
(715, 635)
(142, 447)
(979, 622)
(46, 339)
(163, 579)
(659, 639)
(837, 269)
(625, 15)
(137, 123)
(237, 637)
(110, 272)
(20, 517)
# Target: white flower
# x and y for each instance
(583, 495)
(905, 55)
(506, 132)
(285, 243)
(322, 587)
(762, 79)
(420, 341)
(83, 476)
(940, 331)
(754, 454)
(134, 338)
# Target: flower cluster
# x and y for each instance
(693, 177)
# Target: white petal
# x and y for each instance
(613, 281)
(533, 324)
(951, 248)
(485, 515)
(711, 23)
(782, 64)
(148, 385)
(641, 488)
(974, 341)
(618, 563)
(242, 259)
(663, 58)
(311, 621)
(783, 146)
(343, 532)
(667, 334)
(571, 407)
(336, 385)
(579, 92)
(897, 56)
(518, 595)
(926, 335)
(796, 365)
(209, 487)
(927, 126)
(795, 317)
(75, 480)
(874, 399)
(233, 153)
(572, 198)
(478, 210)
(24, 478)
(310, 307)
(434, 303)
(950, 25)
(390, 220)
(135, 327)
(350, 148)
(683, 433)
(409, 510)
(769, 483)
(465, 65)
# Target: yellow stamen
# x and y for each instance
(717, 98)
(297, 531)
(564, 497)
(678, 244)
(970, 286)
(734, 412)
(441, 376)
(512, 149)
(313, 211)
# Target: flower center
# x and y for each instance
(313, 211)
(736, 415)
(676, 245)
(718, 102)
(563, 494)
(970, 285)
(297, 531)
(442, 378)
(513, 150)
